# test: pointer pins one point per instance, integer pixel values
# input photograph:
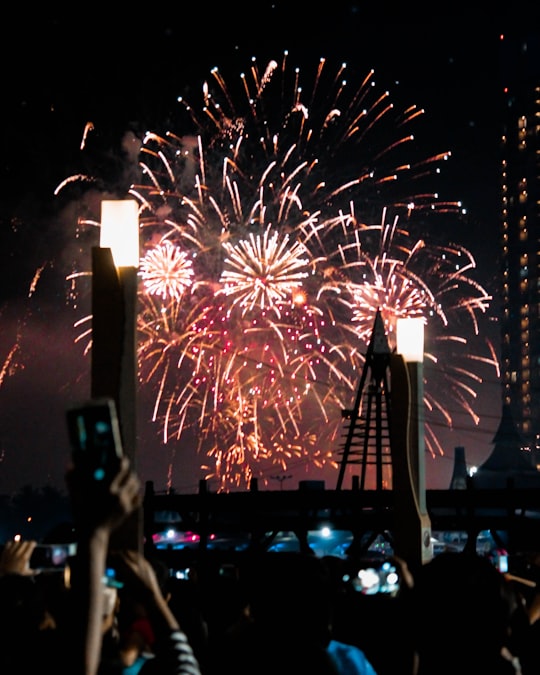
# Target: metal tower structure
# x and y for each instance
(367, 441)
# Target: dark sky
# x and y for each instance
(63, 69)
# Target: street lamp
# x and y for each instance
(412, 523)
(120, 231)
(410, 339)
(114, 300)
(114, 324)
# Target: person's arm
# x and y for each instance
(173, 653)
(97, 513)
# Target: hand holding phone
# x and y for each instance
(15, 557)
(47, 557)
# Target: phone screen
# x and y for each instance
(51, 556)
(375, 577)
(502, 563)
(95, 437)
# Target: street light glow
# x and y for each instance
(410, 339)
(120, 231)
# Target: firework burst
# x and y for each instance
(263, 272)
(166, 271)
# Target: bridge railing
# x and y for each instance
(511, 512)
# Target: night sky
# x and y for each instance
(124, 74)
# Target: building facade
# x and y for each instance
(520, 237)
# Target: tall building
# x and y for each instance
(520, 233)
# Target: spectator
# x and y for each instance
(525, 579)
(463, 610)
(186, 602)
(28, 628)
(377, 623)
(136, 637)
(95, 520)
(287, 627)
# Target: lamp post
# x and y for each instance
(412, 527)
(114, 325)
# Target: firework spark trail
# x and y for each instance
(10, 364)
(79, 178)
(273, 123)
(268, 202)
(36, 279)
(88, 127)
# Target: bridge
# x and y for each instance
(510, 514)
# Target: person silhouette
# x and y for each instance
(287, 626)
(463, 609)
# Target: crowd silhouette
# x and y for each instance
(118, 611)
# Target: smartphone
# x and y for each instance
(94, 433)
(375, 577)
(47, 557)
(501, 561)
